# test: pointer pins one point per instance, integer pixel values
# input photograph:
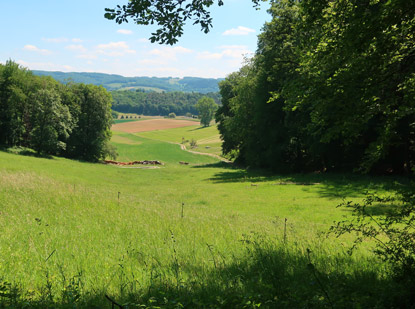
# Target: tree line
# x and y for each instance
(113, 82)
(331, 86)
(72, 120)
(159, 104)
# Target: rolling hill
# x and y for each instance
(118, 82)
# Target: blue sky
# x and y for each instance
(74, 36)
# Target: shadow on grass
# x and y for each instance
(327, 185)
(198, 128)
(23, 151)
(267, 276)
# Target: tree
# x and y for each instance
(207, 108)
(15, 85)
(170, 15)
(92, 122)
(331, 86)
(51, 122)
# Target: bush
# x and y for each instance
(390, 223)
(114, 114)
(172, 115)
(193, 143)
(110, 151)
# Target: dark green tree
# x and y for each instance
(332, 87)
(207, 108)
(92, 123)
(51, 122)
(15, 85)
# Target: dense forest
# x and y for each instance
(158, 104)
(331, 87)
(71, 120)
(118, 82)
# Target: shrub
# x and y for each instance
(390, 223)
(193, 143)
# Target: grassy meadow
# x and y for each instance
(207, 138)
(207, 234)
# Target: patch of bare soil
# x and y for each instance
(151, 125)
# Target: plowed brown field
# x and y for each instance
(151, 125)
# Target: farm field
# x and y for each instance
(207, 138)
(201, 235)
(151, 124)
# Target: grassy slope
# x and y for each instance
(204, 136)
(140, 246)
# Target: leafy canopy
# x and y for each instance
(170, 15)
(207, 108)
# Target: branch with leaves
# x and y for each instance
(169, 15)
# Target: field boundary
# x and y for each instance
(183, 147)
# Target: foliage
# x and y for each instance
(54, 119)
(158, 104)
(393, 232)
(172, 115)
(170, 15)
(330, 87)
(114, 114)
(206, 107)
(51, 121)
(93, 123)
(193, 143)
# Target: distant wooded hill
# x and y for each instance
(162, 104)
(158, 84)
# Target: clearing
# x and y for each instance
(201, 235)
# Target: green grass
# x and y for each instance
(207, 138)
(72, 232)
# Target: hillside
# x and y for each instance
(198, 235)
(118, 82)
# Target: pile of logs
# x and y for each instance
(145, 162)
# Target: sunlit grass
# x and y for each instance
(207, 138)
(202, 234)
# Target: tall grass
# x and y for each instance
(202, 235)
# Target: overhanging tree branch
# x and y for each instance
(169, 15)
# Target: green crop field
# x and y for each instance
(207, 138)
(200, 235)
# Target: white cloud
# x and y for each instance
(239, 31)
(77, 48)
(115, 49)
(46, 66)
(169, 53)
(208, 55)
(236, 52)
(61, 40)
(33, 48)
(149, 62)
(124, 31)
(113, 45)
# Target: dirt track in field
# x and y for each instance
(151, 125)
